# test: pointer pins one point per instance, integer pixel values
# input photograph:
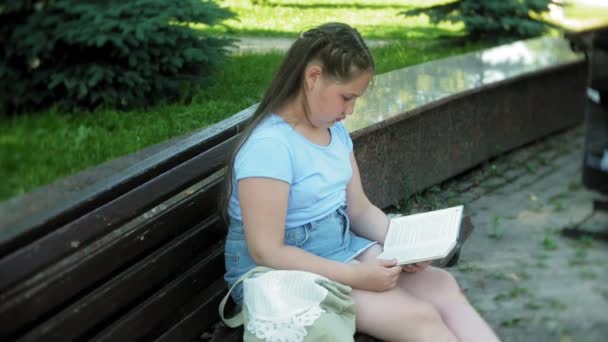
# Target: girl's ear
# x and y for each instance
(312, 74)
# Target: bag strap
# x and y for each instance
(237, 320)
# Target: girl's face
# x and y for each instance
(330, 101)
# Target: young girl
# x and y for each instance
(295, 199)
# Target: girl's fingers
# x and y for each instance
(409, 268)
(419, 266)
(396, 270)
(388, 262)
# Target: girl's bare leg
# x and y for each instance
(438, 288)
(397, 316)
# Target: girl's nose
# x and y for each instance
(349, 108)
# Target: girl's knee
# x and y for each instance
(426, 324)
(397, 316)
(413, 315)
(448, 285)
(425, 314)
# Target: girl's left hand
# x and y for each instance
(419, 266)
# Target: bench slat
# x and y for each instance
(167, 301)
(79, 271)
(118, 293)
(75, 235)
(201, 314)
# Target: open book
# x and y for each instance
(424, 236)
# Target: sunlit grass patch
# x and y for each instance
(373, 18)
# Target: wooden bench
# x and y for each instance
(129, 250)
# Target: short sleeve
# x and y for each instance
(343, 132)
(264, 157)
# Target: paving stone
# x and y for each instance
(494, 182)
(563, 298)
(514, 173)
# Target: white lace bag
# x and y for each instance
(292, 306)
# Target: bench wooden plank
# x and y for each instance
(99, 258)
(164, 303)
(81, 270)
(201, 314)
(102, 220)
(115, 295)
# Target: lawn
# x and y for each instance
(373, 18)
(38, 148)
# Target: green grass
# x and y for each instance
(373, 18)
(38, 148)
(513, 322)
(496, 231)
(581, 11)
(578, 16)
(585, 16)
(549, 243)
(515, 292)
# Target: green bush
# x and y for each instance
(121, 54)
(491, 19)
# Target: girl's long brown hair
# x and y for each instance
(343, 54)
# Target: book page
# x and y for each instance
(422, 236)
(415, 230)
(412, 255)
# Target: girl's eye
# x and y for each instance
(346, 98)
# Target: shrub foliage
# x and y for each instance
(491, 19)
(88, 53)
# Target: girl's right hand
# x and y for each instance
(378, 275)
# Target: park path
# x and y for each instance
(259, 44)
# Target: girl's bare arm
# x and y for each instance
(365, 218)
(264, 206)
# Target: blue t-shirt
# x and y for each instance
(317, 174)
